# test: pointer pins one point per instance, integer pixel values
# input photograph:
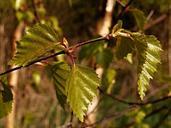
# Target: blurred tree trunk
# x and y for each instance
(104, 29)
(13, 77)
(169, 36)
(7, 28)
(107, 20)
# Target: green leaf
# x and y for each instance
(129, 58)
(59, 73)
(81, 87)
(148, 50)
(6, 99)
(37, 42)
(124, 46)
(139, 17)
(90, 50)
(148, 53)
(108, 79)
(117, 27)
(104, 57)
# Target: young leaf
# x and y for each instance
(59, 73)
(38, 41)
(139, 18)
(6, 98)
(117, 27)
(81, 87)
(149, 50)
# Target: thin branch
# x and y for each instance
(155, 91)
(134, 103)
(155, 111)
(72, 49)
(91, 41)
(158, 100)
(33, 62)
(150, 15)
(156, 21)
(124, 10)
(58, 53)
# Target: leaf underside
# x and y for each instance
(124, 46)
(59, 73)
(149, 50)
(81, 87)
(37, 42)
(139, 17)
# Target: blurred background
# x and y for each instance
(35, 102)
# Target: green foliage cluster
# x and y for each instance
(76, 83)
(46, 40)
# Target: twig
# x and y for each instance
(155, 91)
(31, 63)
(58, 53)
(150, 15)
(156, 21)
(155, 111)
(134, 103)
(123, 10)
(91, 41)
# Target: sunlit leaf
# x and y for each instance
(149, 49)
(81, 87)
(59, 73)
(139, 17)
(37, 42)
(148, 52)
(117, 26)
